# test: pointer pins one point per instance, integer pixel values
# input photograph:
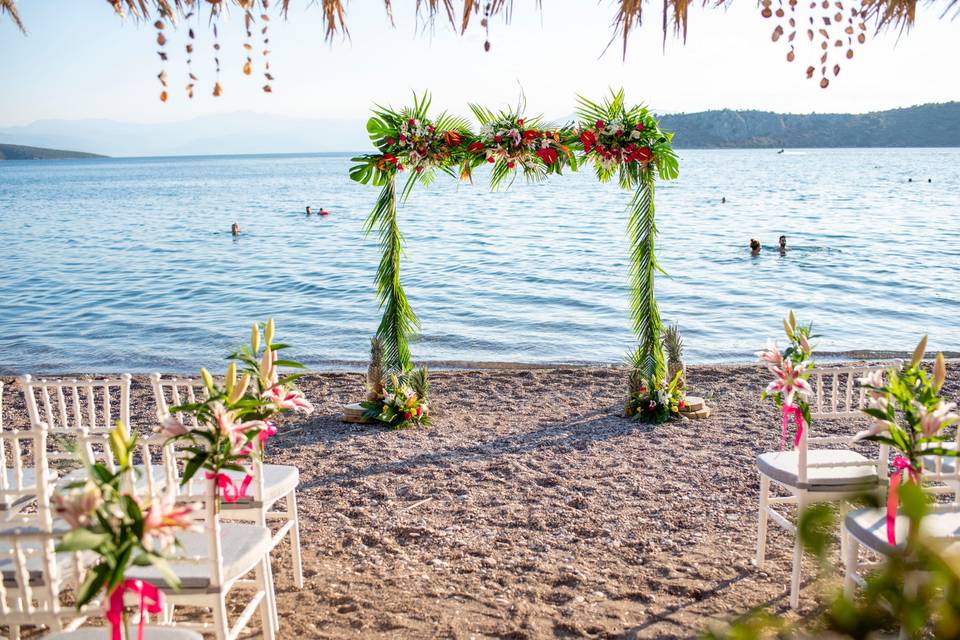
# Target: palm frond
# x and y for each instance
(10, 8)
(642, 231)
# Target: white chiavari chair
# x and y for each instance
(271, 484)
(80, 415)
(26, 481)
(812, 472)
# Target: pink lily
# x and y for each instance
(287, 400)
(790, 382)
(164, 517)
(771, 355)
(879, 426)
(931, 422)
(76, 506)
(171, 426)
(234, 431)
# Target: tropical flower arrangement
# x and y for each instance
(657, 402)
(236, 416)
(790, 388)
(122, 529)
(398, 400)
(909, 416)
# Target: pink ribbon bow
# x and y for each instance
(789, 410)
(228, 488)
(901, 465)
(151, 601)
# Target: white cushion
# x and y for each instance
(869, 527)
(159, 477)
(149, 633)
(278, 481)
(782, 466)
(242, 545)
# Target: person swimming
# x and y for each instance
(723, 200)
(235, 229)
(783, 245)
(755, 247)
(323, 212)
(308, 211)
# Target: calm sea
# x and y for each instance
(129, 264)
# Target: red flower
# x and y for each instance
(511, 164)
(403, 138)
(599, 125)
(490, 159)
(411, 122)
(419, 169)
(407, 415)
(520, 122)
(640, 126)
(588, 138)
(399, 166)
(530, 134)
(644, 154)
(475, 146)
(453, 138)
(498, 138)
(389, 140)
(419, 411)
(430, 128)
(548, 155)
(681, 404)
(619, 132)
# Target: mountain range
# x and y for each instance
(929, 125)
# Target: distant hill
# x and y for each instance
(928, 125)
(20, 152)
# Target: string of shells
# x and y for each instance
(837, 30)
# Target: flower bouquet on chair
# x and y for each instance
(909, 416)
(108, 520)
(790, 388)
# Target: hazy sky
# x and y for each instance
(82, 61)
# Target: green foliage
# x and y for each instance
(653, 402)
(401, 406)
(641, 232)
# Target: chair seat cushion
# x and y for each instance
(159, 477)
(278, 481)
(10, 503)
(34, 564)
(781, 466)
(869, 527)
(948, 464)
(242, 546)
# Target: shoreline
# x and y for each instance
(442, 366)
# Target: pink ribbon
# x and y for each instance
(789, 410)
(901, 465)
(151, 601)
(228, 488)
(264, 435)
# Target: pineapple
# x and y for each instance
(375, 372)
(673, 345)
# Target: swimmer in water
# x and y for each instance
(235, 229)
(323, 212)
(308, 211)
(723, 200)
(783, 245)
(754, 247)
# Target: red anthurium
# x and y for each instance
(475, 146)
(530, 134)
(588, 139)
(640, 126)
(644, 154)
(599, 125)
(548, 155)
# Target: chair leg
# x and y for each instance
(851, 555)
(295, 557)
(221, 626)
(797, 558)
(843, 508)
(762, 521)
(268, 614)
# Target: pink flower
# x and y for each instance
(771, 355)
(171, 426)
(76, 506)
(790, 382)
(164, 517)
(931, 422)
(804, 343)
(287, 400)
(236, 432)
(879, 426)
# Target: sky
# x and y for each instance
(79, 60)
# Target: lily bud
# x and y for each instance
(231, 376)
(804, 343)
(240, 388)
(207, 378)
(255, 338)
(793, 320)
(266, 362)
(919, 351)
(939, 372)
(787, 329)
(268, 332)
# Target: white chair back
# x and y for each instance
(838, 394)
(30, 584)
(74, 409)
(25, 477)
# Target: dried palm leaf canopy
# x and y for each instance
(821, 33)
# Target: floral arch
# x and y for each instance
(621, 143)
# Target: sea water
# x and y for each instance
(129, 264)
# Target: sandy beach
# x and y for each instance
(529, 509)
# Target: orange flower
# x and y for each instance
(453, 138)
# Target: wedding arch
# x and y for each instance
(621, 143)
